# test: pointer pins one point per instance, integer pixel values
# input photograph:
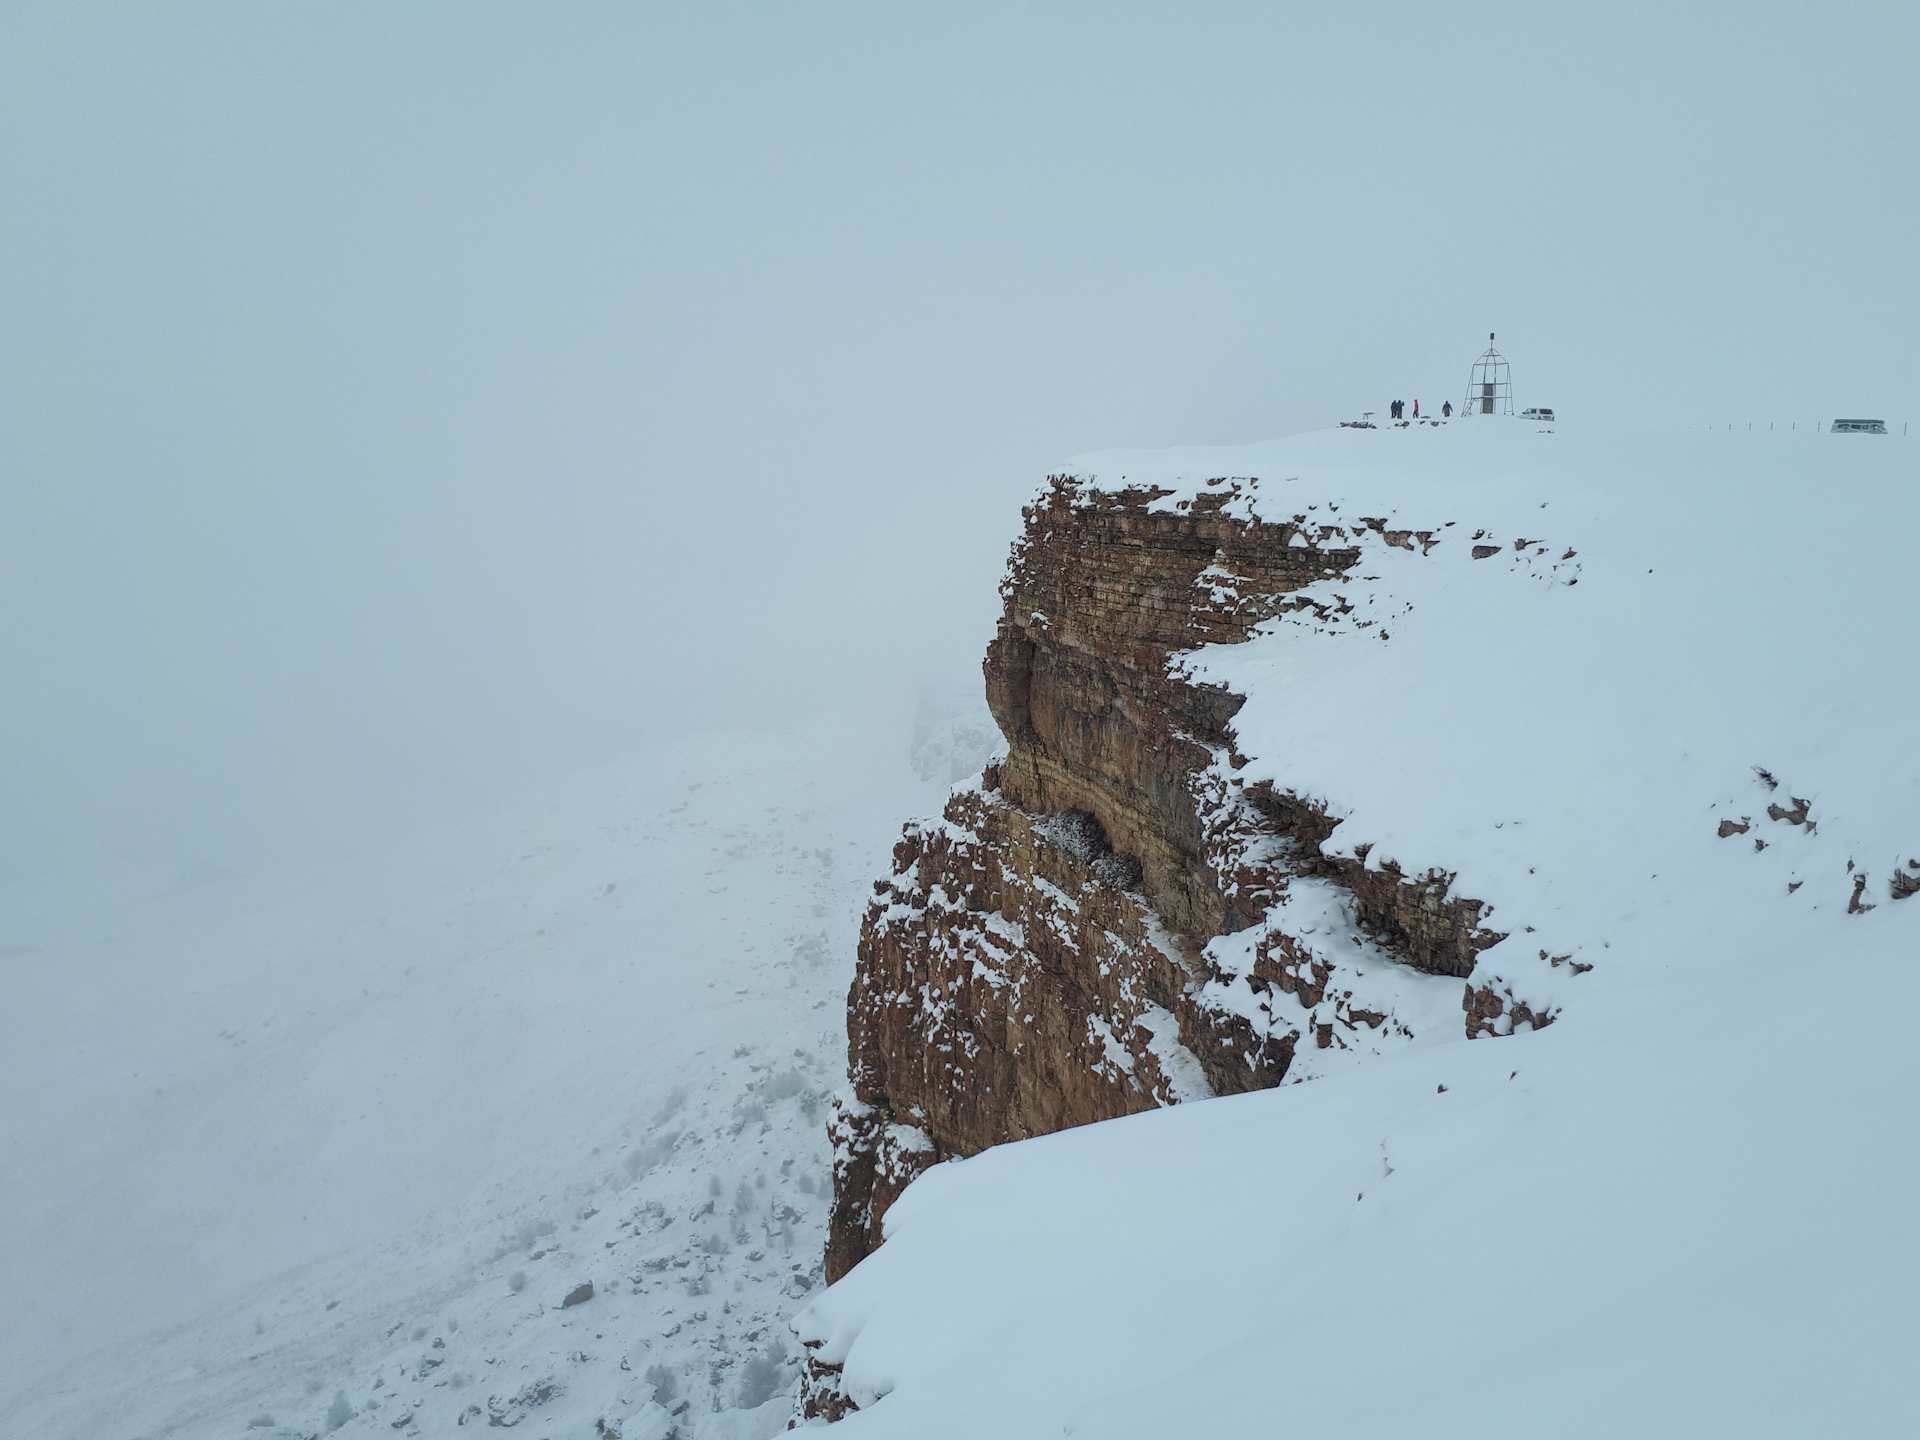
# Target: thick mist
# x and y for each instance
(402, 406)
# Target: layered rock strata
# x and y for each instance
(1108, 920)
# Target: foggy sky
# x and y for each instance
(401, 404)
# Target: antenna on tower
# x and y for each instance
(1489, 386)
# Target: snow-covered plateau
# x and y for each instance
(523, 1124)
(1652, 696)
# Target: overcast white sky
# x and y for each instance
(402, 403)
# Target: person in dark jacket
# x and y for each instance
(1393, 410)
(1446, 410)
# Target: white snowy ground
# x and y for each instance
(328, 1150)
(1688, 1207)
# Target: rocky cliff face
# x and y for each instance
(1108, 920)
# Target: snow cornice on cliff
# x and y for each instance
(1614, 727)
(1611, 644)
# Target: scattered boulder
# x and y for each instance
(1795, 816)
(508, 1413)
(579, 1295)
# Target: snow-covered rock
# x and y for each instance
(1650, 697)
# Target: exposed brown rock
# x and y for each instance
(1007, 986)
(1492, 1011)
(1795, 816)
(821, 1397)
(1035, 960)
(1100, 592)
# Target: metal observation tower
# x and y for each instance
(1489, 390)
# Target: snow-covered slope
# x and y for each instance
(1654, 697)
(338, 1145)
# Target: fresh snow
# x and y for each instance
(1687, 1206)
(337, 1145)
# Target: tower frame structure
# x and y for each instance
(1489, 384)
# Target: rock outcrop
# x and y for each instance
(1107, 920)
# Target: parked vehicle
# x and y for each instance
(1859, 427)
(1541, 414)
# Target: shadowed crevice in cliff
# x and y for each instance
(1082, 836)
